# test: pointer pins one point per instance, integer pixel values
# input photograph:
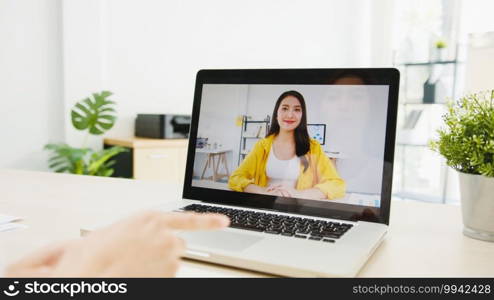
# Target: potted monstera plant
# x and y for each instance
(467, 143)
(95, 115)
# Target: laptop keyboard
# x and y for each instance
(297, 227)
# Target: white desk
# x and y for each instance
(424, 240)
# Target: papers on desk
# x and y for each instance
(8, 223)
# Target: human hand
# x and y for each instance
(40, 263)
(280, 190)
(140, 246)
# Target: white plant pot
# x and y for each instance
(477, 205)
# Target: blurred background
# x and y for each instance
(54, 53)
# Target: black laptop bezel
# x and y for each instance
(378, 76)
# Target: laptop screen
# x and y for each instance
(315, 149)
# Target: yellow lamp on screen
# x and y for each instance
(239, 120)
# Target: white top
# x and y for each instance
(282, 171)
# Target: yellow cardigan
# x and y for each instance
(320, 173)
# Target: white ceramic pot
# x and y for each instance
(477, 204)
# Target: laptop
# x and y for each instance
(301, 160)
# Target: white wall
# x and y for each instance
(480, 63)
(84, 58)
(54, 53)
(148, 52)
(31, 106)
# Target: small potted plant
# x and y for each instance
(467, 143)
(440, 50)
(96, 115)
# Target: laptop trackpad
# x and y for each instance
(224, 240)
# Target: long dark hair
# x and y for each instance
(302, 140)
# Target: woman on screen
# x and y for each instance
(287, 162)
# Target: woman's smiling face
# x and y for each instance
(289, 113)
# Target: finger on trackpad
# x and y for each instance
(223, 240)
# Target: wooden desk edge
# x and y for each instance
(134, 142)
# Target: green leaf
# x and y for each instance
(106, 173)
(94, 130)
(99, 159)
(51, 146)
(94, 113)
(108, 117)
(110, 163)
(83, 108)
(67, 159)
(57, 164)
(107, 109)
(79, 167)
(62, 169)
(106, 125)
(89, 103)
(53, 158)
(106, 94)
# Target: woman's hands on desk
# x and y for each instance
(284, 191)
(142, 245)
(278, 190)
(281, 190)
